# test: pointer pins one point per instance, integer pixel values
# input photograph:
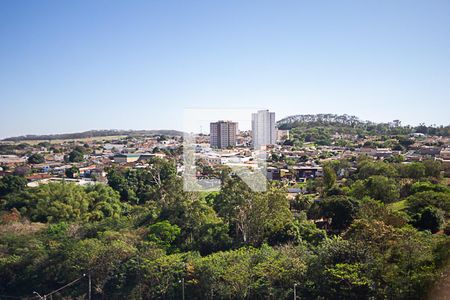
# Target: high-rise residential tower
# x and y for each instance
(263, 129)
(223, 134)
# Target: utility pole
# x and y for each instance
(140, 275)
(90, 286)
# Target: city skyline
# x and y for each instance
(202, 126)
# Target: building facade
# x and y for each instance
(125, 158)
(223, 134)
(263, 129)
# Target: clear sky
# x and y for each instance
(68, 66)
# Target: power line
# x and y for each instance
(61, 288)
(67, 285)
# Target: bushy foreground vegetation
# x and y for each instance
(376, 233)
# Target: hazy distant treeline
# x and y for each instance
(92, 133)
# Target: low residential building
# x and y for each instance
(37, 176)
(86, 171)
(83, 181)
(11, 159)
(429, 150)
(444, 157)
(445, 154)
(114, 147)
(307, 171)
(273, 173)
(378, 152)
(126, 158)
(147, 156)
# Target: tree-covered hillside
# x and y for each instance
(380, 232)
(346, 124)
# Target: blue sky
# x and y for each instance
(68, 66)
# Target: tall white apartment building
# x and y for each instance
(223, 134)
(263, 129)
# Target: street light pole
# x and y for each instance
(182, 281)
(182, 287)
(182, 290)
(295, 291)
(90, 286)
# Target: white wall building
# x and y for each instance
(263, 129)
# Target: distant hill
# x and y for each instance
(338, 123)
(354, 125)
(92, 133)
(321, 119)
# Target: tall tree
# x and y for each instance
(329, 177)
(36, 159)
(12, 184)
(252, 215)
